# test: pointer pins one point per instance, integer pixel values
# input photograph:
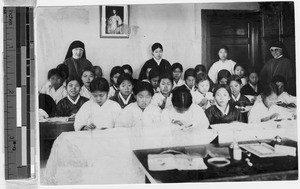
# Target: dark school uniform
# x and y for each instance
(66, 108)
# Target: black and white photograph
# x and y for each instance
(174, 93)
(114, 21)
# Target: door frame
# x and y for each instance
(254, 49)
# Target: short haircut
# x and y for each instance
(223, 74)
(143, 86)
(201, 68)
(156, 46)
(278, 78)
(115, 70)
(234, 78)
(99, 84)
(224, 47)
(98, 67)
(190, 72)
(202, 77)
(74, 78)
(269, 89)
(181, 97)
(175, 66)
(53, 72)
(154, 72)
(89, 70)
(238, 65)
(64, 69)
(124, 77)
(166, 76)
(127, 67)
(219, 86)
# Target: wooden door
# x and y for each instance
(239, 30)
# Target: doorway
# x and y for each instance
(239, 30)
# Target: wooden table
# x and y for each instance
(49, 131)
(271, 168)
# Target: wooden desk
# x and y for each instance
(49, 131)
(275, 168)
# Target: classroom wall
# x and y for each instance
(176, 26)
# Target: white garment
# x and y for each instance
(178, 84)
(133, 116)
(198, 97)
(194, 116)
(260, 111)
(57, 95)
(104, 116)
(85, 92)
(112, 92)
(157, 100)
(287, 98)
(219, 65)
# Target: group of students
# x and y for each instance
(160, 97)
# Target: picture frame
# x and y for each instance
(114, 21)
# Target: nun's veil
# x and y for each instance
(75, 44)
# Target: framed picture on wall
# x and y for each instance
(114, 21)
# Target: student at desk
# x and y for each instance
(265, 108)
(140, 113)
(99, 112)
(183, 113)
(283, 96)
(222, 111)
(70, 105)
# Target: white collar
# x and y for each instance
(237, 98)
(191, 89)
(73, 102)
(157, 61)
(279, 57)
(226, 109)
(253, 87)
(122, 98)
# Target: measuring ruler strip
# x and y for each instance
(18, 90)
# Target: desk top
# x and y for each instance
(273, 168)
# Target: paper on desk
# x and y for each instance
(163, 162)
(58, 119)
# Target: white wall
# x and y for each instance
(176, 26)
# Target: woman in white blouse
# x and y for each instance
(223, 63)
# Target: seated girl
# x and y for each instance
(202, 96)
(98, 71)
(70, 105)
(87, 77)
(200, 69)
(124, 94)
(184, 114)
(127, 69)
(47, 106)
(222, 111)
(190, 78)
(140, 113)
(162, 99)
(284, 98)
(240, 71)
(153, 79)
(99, 112)
(114, 74)
(223, 76)
(177, 70)
(253, 88)
(54, 86)
(265, 108)
(237, 99)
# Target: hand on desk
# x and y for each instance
(89, 127)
